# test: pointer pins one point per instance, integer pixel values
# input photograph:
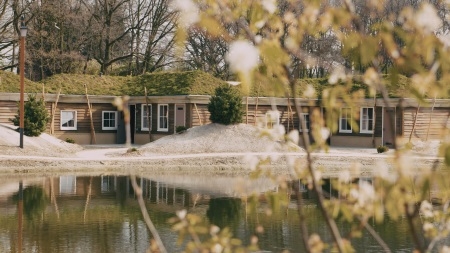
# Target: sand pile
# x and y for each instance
(215, 138)
(44, 145)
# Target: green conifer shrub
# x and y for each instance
(225, 106)
(35, 117)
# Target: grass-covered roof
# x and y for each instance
(74, 84)
(179, 83)
(10, 82)
(396, 88)
(173, 83)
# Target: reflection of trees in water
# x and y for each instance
(224, 212)
(34, 201)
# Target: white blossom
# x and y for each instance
(445, 39)
(426, 208)
(427, 18)
(293, 136)
(217, 248)
(242, 56)
(381, 170)
(317, 176)
(269, 5)
(366, 193)
(189, 12)
(258, 39)
(291, 160)
(260, 24)
(214, 230)
(274, 156)
(445, 249)
(395, 54)
(251, 161)
(309, 92)
(324, 133)
(181, 214)
(344, 176)
(427, 226)
(354, 193)
(278, 132)
(337, 74)
(291, 43)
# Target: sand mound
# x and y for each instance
(215, 138)
(44, 145)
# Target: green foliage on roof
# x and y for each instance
(158, 84)
(187, 83)
(396, 87)
(73, 84)
(10, 82)
(173, 83)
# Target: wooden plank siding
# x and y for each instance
(8, 109)
(440, 119)
(83, 119)
(198, 114)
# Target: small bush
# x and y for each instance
(180, 129)
(35, 117)
(382, 149)
(226, 106)
(70, 140)
(409, 146)
(132, 150)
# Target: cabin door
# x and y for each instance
(121, 134)
(389, 126)
(180, 115)
(120, 138)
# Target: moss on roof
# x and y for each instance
(180, 83)
(10, 82)
(397, 87)
(97, 85)
(173, 83)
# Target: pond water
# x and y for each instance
(100, 214)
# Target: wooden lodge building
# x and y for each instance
(84, 111)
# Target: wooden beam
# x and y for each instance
(198, 114)
(148, 117)
(54, 105)
(93, 140)
(431, 114)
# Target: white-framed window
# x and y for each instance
(163, 117)
(272, 118)
(109, 120)
(366, 120)
(108, 183)
(144, 119)
(68, 120)
(305, 118)
(344, 120)
(67, 184)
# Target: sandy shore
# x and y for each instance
(110, 161)
(207, 150)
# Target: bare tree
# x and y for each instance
(55, 38)
(108, 38)
(153, 35)
(207, 53)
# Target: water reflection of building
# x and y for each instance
(119, 186)
(110, 220)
